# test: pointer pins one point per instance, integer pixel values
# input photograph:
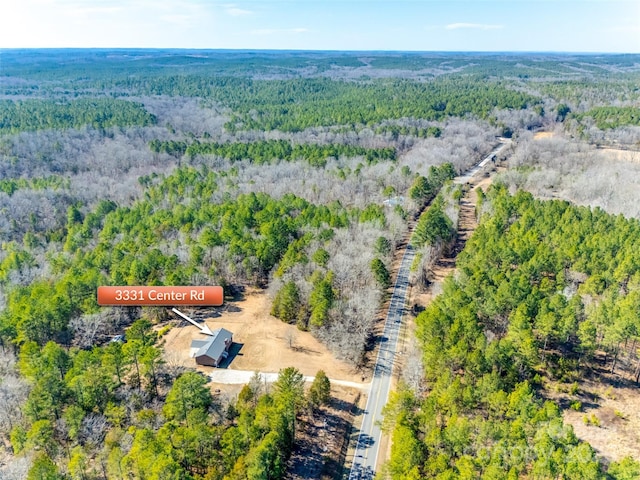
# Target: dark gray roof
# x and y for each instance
(213, 346)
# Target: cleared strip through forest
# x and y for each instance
(467, 224)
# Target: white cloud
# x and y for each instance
(271, 31)
(477, 26)
(105, 23)
(178, 19)
(237, 12)
(623, 29)
(87, 12)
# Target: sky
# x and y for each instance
(405, 25)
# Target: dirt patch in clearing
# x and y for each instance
(261, 342)
(322, 438)
(446, 265)
(620, 155)
(540, 135)
(609, 417)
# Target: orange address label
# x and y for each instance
(160, 296)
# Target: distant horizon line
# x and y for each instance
(293, 50)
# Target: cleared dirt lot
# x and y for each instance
(323, 439)
(539, 135)
(615, 402)
(261, 342)
(621, 155)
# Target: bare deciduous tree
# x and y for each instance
(13, 391)
(578, 172)
(87, 328)
(14, 468)
(290, 337)
(413, 369)
(93, 429)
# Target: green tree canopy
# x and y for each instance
(188, 392)
(320, 390)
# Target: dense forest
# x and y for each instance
(541, 286)
(30, 114)
(300, 174)
(270, 151)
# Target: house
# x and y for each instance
(212, 350)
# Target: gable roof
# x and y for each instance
(212, 347)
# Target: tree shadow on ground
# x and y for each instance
(303, 349)
(322, 442)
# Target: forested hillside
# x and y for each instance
(47, 114)
(540, 287)
(298, 174)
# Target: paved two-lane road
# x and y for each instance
(366, 452)
(368, 444)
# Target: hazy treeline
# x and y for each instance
(32, 114)
(64, 64)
